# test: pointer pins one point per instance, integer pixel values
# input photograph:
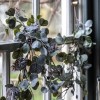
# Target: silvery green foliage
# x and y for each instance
(84, 29)
(39, 50)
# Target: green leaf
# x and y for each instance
(16, 30)
(12, 22)
(30, 20)
(26, 95)
(28, 23)
(69, 59)
(21, 18)
(10, 12)
(88, 39)
(61, 56)
(2, 98)
(7, 21)
(16, 54)
(55, 94)
(43, 22)
(39, 16)
(22, 37)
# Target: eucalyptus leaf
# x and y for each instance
(54, 88)
(2, 98)
(79, 33)
(21, 18)
(88, 32)
(36, 45)
(36, 86)
(32, 28)
(59, 39)
(61, 56)
(54, 53)
(24, 85)
(87, 66)
(45, 30)
(26, 95)
(43, 35)
(88, 23)
(39, 16)
(41, 60)
(87, 44)
(12, 22)
(25, 48)
(22, 37)
(88, 41)
(30, 21)
(43, 22)
(44, 90)
(83, 78)
(16, 30)
(36, 68)
(84, 58)
(33, 76)
(16, 54)
(34, 82)
(10, 12)
(44, 51)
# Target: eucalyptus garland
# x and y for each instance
(43, 55)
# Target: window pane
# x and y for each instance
(0, 75)
(51, 10)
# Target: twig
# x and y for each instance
(53, 13)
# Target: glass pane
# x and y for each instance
(51, 10)
(25, 9)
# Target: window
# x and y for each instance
(51, 10)
(59, 13)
